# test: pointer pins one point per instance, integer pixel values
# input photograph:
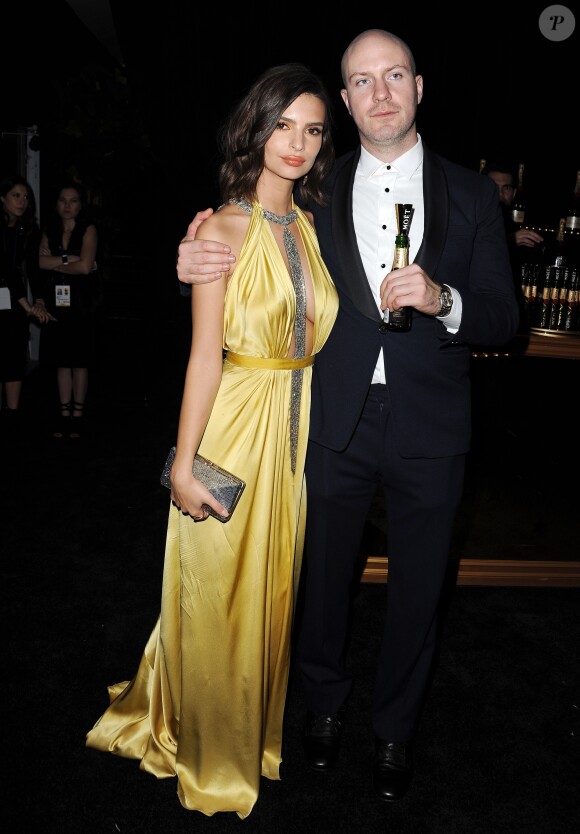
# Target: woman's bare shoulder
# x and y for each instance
(228, 225)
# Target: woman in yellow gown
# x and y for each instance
(207, 702)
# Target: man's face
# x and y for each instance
(381, 92)
(505, 184)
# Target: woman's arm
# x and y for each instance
(81, 264)
(202, 380)
(200, 261)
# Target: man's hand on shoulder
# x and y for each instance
(202, 261)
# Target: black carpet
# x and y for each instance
(83, 530)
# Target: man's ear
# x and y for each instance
(419, 83)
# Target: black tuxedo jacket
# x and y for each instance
(427, 368)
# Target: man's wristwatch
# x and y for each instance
(65, 259)
(446, 301)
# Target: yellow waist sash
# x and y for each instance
(265, 362)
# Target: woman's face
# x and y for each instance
(68, 204)
(292, 148)
(15, 203)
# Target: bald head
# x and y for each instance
(369, 37)
(381, 92)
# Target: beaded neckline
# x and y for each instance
(282, 219)
(297, 277)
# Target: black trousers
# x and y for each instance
(421, 501)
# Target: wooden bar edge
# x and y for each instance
(507, 572)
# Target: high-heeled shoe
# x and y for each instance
(76, 421)
(63, 422)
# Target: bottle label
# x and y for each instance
(570, 316)
(518, 216)
(398, 320)
(573, 222)
(400, 258)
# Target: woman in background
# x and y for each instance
(19, 236)
(67, 257)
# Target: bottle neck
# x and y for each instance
(401, 256)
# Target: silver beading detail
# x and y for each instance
(297, 276)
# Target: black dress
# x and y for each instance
(69, 342)
(18, 258)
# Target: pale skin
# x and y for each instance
(381, 93)
(289, 154)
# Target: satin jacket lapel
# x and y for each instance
(344, 238)
(436, 204)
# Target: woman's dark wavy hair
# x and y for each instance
(28, 219)
(253, 120)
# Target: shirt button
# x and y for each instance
(384, 227)
(383, 266)
(387, 190)
(388, 167)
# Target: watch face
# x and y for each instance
(446, 301)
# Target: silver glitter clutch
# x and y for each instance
(222, 484)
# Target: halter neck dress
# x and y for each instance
(207, 702)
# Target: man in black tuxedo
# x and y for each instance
(388, 408)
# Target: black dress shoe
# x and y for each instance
(322, 739)
(392, 771)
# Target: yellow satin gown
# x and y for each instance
(207, 702)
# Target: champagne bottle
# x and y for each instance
(573, 213)
(561, 313)
(530, 276)
(571, 312)
(399, 321)
(556, 251)
(545, 299)
(555, 263)
(519, 201)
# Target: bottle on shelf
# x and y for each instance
(530, 275)
(571, 310)
(545, 299)
(555, 280)
(573, 213)
(482, 164)
(573, 225)
(555, 251)
(399, 321)
(558, 313)
(519, 201)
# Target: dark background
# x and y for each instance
(494, 86)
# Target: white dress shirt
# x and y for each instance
(377, 187)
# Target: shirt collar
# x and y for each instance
(405, 165)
